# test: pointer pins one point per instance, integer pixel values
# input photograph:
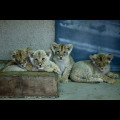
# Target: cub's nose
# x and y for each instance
(101, 68)
(22, 66)
(60, 57)
(40, 66)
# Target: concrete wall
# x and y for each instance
(15, 34)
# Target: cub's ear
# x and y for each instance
(30, 52)
(12, 54)
(54, 46)
(93, 57)
(28, 49)
(110, 57)
(48, 53)
(69, 47)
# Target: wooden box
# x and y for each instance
(28, 84)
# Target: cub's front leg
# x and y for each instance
(56, 68)
(48, 69)
(64, 77)
(106, 78)
(52, 69)
(112, 75)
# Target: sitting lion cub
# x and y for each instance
(63, 59)
(95, 70)
(40, 60)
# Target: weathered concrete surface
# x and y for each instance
(14, 34)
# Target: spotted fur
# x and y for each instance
(40, 60)
(19, 58)
(95, 70)
(63, 59)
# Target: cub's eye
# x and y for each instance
(13, 56)
(43, 58)
(35, 59)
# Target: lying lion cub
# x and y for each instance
(95, 70)
(40, 60)
(19, 60)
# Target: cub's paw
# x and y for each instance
(112, 75)
(57, 71)
(117, 81)
(115, 76)
(28, 66)
(112, 81)
(59, 78)
(64, 80)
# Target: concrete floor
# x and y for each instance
(83, 91)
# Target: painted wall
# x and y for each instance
(15, 34)
(90, 37)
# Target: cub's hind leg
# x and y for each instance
(85, 79)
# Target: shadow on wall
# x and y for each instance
(90, 37)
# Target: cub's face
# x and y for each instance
(61, 51)
(101, 60)
(40, 58)
(20, 57)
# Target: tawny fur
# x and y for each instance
(63, 59)
(40, 60)
(95, 70)
(19, 60)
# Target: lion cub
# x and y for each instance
(40, 60)
(19, 60)
(95, 70)
(63, 59)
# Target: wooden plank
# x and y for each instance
(28, 84)
(10, 87)
(43, 86)
(27, 73)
